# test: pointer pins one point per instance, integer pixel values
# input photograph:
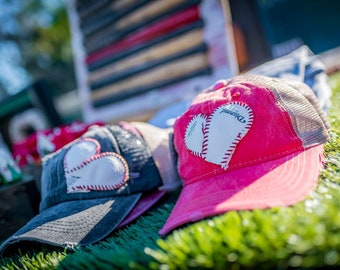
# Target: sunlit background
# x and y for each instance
(34, 44)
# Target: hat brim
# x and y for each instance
(75, 223)
(280, 182)
(143, 205)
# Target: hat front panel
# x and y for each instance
(247, 131)
(54, 184)
(271, 134)
(192, 123)
(120, 164)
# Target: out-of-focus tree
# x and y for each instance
(35, 44)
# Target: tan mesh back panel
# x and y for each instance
(299, 101)
(309, 94)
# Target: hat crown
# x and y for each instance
(249, 120)
(106, 161)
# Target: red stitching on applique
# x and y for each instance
(239, 137)
(91, 140)
(205, 131)
(225, 161)
(102, 155)
(87, 161)
(96, 187)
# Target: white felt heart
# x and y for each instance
(194, 134)
(215, 137)
(87, 169)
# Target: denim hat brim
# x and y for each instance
(74, 223)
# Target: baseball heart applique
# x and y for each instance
(214, 137)
(87, 169)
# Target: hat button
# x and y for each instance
(219, 84)
(236, 94)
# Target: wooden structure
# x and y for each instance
(133, 58)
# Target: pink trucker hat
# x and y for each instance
(245, 143)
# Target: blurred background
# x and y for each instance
(47, 50)
(34, 45)
(272, 28)
(36, 68)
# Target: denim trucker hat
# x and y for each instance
(91, 185)
(245, 143)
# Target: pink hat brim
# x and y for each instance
(143, 205)
(280, 182)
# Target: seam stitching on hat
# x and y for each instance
(205, 136)
(97, 155)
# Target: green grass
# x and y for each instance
(304, 236)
